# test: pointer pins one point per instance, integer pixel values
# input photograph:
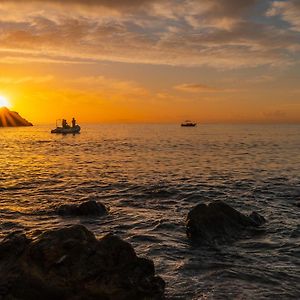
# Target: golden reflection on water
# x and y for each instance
(36, 165)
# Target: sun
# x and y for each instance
(4, 102)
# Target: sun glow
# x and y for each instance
(4, 102)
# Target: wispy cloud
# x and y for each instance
(27, 79)
(216, 33)
(196, 88)
(202, 88)
(274, 114)
(108, 86)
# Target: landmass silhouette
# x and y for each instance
(10, 118)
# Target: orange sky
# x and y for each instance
(151, 61)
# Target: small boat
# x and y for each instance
(67, 130)
(188, 124)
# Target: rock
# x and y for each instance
(70, 263)
(13, 244)
(10, 118)
(257, 218)
(219, 222)
(88, 208)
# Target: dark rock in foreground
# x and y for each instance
(219, 222)
(10, 118)
(70, 263)
(88, 208)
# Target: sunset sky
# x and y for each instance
(151, 61)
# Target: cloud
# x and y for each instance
(214, 33)
(289, 11)
(218, 13)
(196, 88)
(27, 79)
(107, 86)
(109, 3)
(274, 114)
(202, 88)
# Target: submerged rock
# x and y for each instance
(10, 118)
(70, 263)
(88, 208)
(218, 221)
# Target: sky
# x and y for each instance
(211, 61)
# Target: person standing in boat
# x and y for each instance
(73, 122)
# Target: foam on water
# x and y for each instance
(150, 176)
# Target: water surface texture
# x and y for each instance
(151, 176)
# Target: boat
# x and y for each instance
(67, 130)
(188, 123)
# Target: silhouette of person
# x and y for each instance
(73, 122)
(64, 123)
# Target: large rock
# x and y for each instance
(219, 222)
(87, 208)
(70, 263)
(10, 118)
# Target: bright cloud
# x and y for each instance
(196, 88)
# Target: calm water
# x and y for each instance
(150, 176)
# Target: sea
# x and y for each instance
(150, 176)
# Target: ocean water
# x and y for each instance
(150, 176)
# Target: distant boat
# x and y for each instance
(66, 129)
(188, 123)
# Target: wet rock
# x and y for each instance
(219, 222)
(70, 263)
(87, 208)
(13, 244)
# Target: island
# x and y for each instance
(10, 118)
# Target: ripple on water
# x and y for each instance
(150, 176)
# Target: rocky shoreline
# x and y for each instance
(70, 263)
